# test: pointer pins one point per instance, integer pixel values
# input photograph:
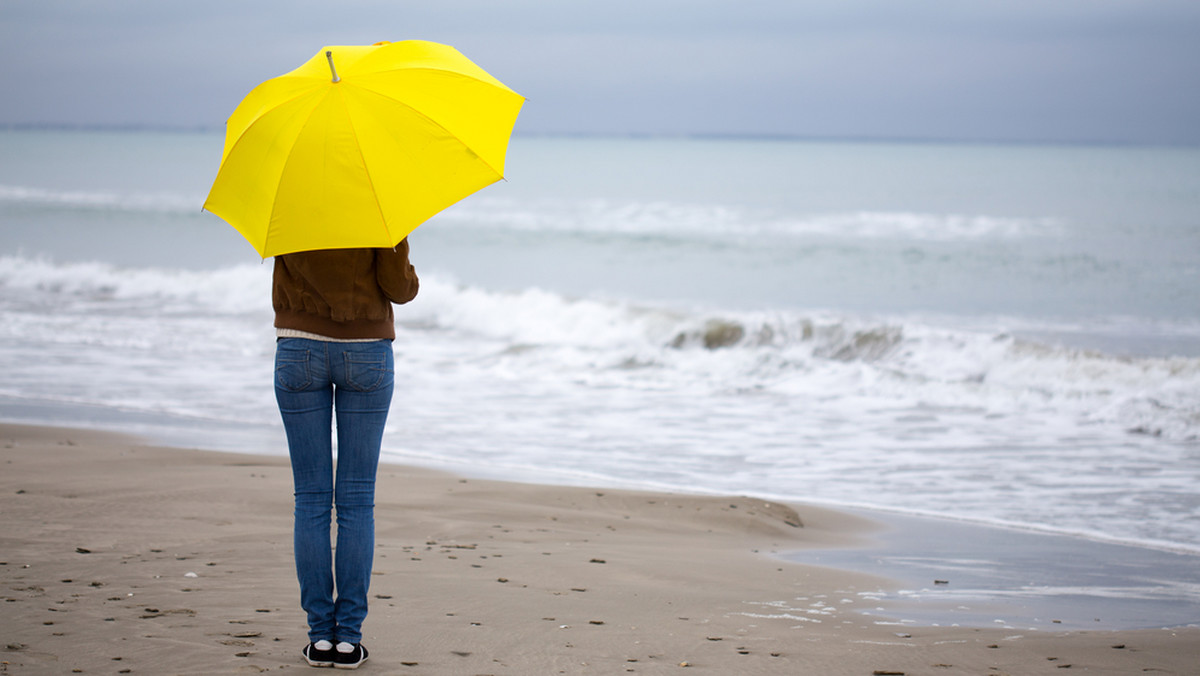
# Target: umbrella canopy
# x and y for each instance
(360, 145)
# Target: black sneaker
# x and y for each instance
(317, 655)
(349, 655)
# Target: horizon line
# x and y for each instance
(702, 136)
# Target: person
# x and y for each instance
(333, 360)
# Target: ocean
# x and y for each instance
(1003, 334)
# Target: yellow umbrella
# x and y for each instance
(360, 145)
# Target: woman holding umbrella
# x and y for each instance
(328, 168)
(333, 359)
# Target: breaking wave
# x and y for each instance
(786, 352)
(599, 217)
(661, 218)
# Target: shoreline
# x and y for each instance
(953, 572)
(224, 436)
(124, 556)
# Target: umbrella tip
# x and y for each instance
(329, 57)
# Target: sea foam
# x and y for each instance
(778, 350)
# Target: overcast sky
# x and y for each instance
(997, 70)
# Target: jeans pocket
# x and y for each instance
(368, 372)
(291, 369)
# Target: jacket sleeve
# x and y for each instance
(396, 276)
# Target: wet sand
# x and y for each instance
(118, 557)
(955, 572)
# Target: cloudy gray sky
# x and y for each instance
(1002, 70)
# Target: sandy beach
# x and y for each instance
(120, 557)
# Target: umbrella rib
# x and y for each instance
(246, 132)
(431, 120)
(286, 162)
(367, 171)
(492, 83)
(258, 118)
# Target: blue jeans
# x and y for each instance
(314, 380)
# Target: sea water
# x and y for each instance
(1005, 334)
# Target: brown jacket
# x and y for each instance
(343, 293)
